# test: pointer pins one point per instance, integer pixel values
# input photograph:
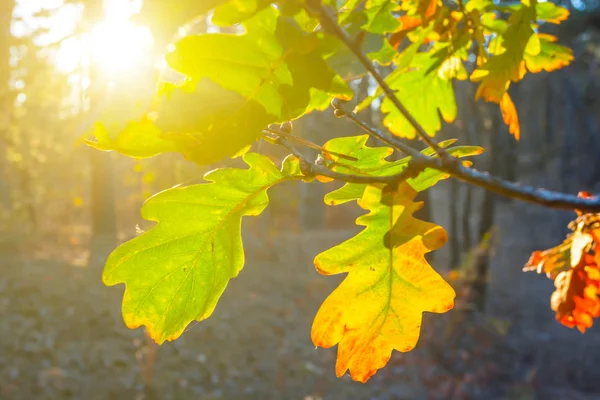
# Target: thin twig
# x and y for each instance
(329, 24)
(484, 180)
(308, 143)
(310, 168)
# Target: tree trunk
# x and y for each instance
(6, 11)
(103, 205)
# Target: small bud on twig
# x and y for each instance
(287, 127)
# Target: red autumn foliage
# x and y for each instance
(574, 267)
(575, 299)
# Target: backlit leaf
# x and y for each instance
(385, 55)
(480, 5)
(207, 122)
(274, 63)
(552, 56)
(250, 64)
(379, 15)
(138, 140)
(378, 307)
(550, 12)
(551, 261)
(510, 116)
(402, 62)
(573, 265)
(236, 11)
(435, 97)
(499, 70)
(371, 161)
(175, 272)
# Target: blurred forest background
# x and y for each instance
(65, 64)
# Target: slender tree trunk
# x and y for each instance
(481, 264)
(103, 205)
(453, 235)
(104, 227)
(6, 11)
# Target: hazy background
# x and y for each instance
(64, 207)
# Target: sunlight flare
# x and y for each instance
(114, 46)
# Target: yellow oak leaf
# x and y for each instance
(378, 307)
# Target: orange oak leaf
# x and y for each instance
(510, 116)
(574, 267)
(418, 13)
(575, 299)
(378, 307)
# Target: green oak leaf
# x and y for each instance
(371, 161)
(379, 16)
(122, 125)
(139, 139)
(401, 62)
(481, 5)
(175, 272)
(550, 12)
(274, 63)
(236, 11)
(250, 64)
(545, 11)
(425, 93)
(385, 55)
(206, 122)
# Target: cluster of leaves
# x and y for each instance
(442, 39)
(284, 65)
(276, 63)
(573, 265)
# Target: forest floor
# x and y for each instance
(62, 337)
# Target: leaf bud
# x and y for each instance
(287, 127)
(338, 113)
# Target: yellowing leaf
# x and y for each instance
(550, 57)
(378, 307)
(499, 70)
(550, 12)
(510, 116)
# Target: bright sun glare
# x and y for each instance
(115, 45)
